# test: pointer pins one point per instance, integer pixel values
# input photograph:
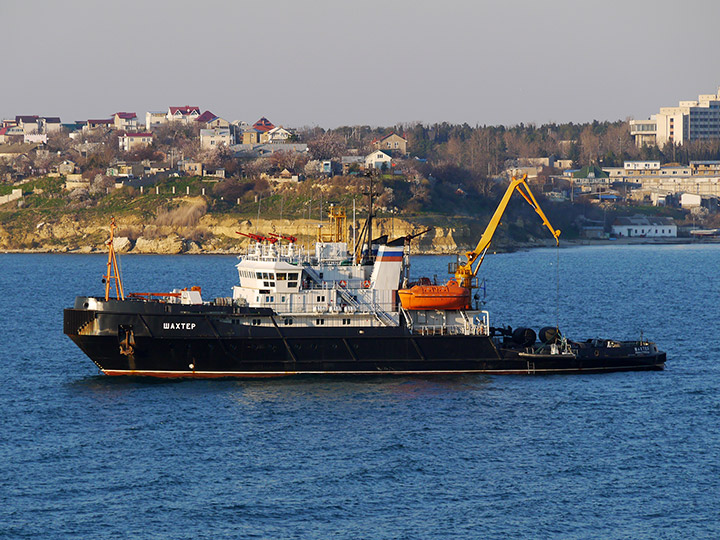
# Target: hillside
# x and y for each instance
(51, 219)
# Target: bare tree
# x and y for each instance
(326, 146)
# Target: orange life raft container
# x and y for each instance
(448, 296)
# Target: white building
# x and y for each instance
(644, 227)
(278, 134)
(133, 141)
(185, 114)
(642, 165)
(690, 200)
(689, 121)
(154, 119)
(377, 159)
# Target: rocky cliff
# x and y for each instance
(209, 234)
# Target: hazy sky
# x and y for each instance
(331, 63)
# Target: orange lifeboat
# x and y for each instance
(448, 296)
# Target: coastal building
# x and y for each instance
(10, 134)
(212, 138)
(644, 132)
(133, 141)
(284, 176)
(66, 167)
(123, 169)
(184, 114)
(10, 152)
(590, 175)
(50, 124)
(259, 150)
(98, 124)
(644, 227)
(700, 177)
(35, 138)
(392, 144)
(191, 168)
(278, 134)
(209, 121)
(690, 200)
(690, 120)
(263, 125)
(125, 121)
(154, 119)
(705, 168)
(378, 160)
(28, 123)
(250, 135)
(352, 164)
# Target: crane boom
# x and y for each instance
(465, 271)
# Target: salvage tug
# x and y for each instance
(331, 311)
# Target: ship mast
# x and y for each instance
(112, 267)
(369, 222)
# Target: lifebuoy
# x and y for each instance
(366, 284)
(343, 283)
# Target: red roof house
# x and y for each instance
(263, 125)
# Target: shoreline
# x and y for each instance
(88, 250)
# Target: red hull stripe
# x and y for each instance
(391, 258)
(265, 374)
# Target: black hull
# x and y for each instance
(220, 346)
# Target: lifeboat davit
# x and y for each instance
(448, 296)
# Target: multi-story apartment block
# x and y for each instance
(689, 121)
(700, 177)
(133, 141)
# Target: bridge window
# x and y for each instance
(281, 276)
(293, 275)
(292, 283)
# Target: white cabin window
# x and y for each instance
(319, 322)
(292, 283)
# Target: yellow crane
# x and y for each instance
(455, 294)
(465, 272)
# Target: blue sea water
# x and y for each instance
(625, 455)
